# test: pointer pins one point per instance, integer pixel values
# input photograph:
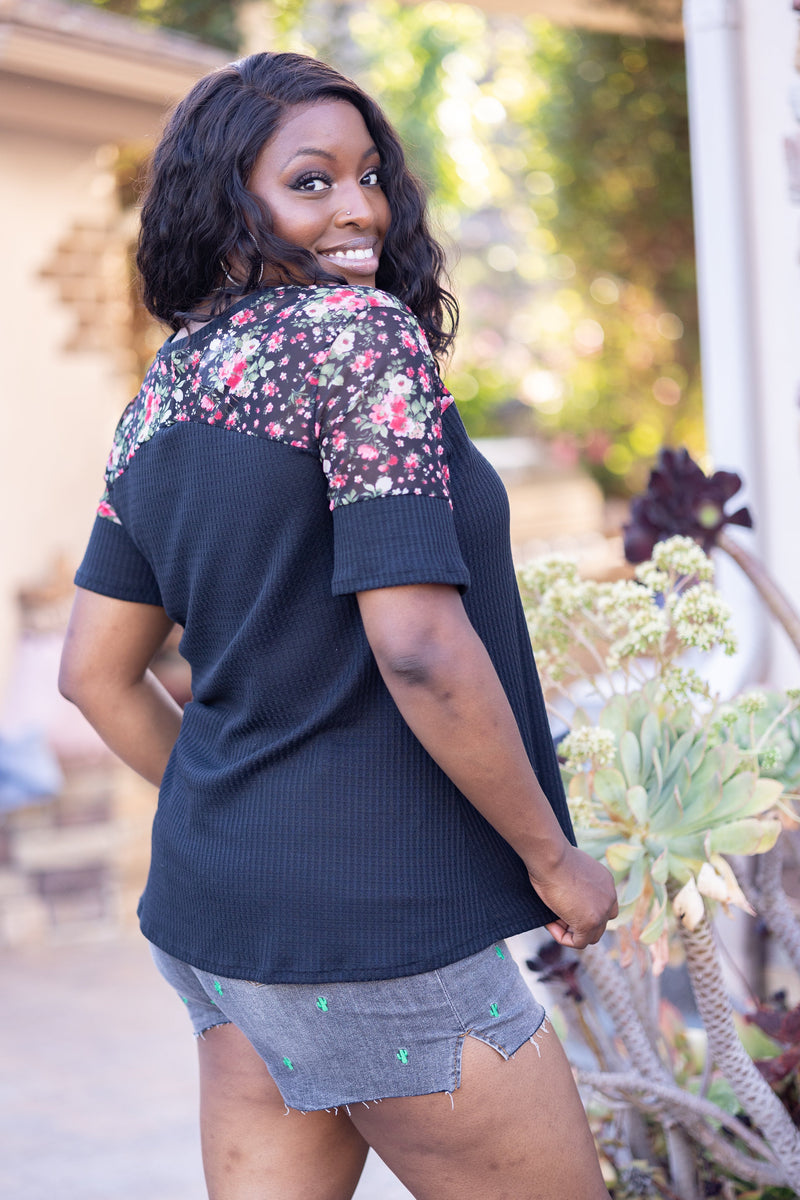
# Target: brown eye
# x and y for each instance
(311, 183)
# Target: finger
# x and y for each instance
(559, 932)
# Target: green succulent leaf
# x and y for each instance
(660, 868)
(615, 716)
(633, 886)
(620, 855)
(596, 841)
(676, 758)
(636, 799)
(630, 756)
(702, 808)
(750, 836)
(747, 796)
(609, 787)
(655, 927)
(704, 774)
(650, 738)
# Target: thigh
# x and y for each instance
(256, 1149)
(516, 1131)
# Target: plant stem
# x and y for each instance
(676, 1101)
(765, 893)
(754, 1093)
(774, 598)
(609, 979)
(615, 992)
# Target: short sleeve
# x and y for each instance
(112, 564)
(383, 455)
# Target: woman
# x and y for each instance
(361, 800)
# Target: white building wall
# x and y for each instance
(740, 66)
(770, 34)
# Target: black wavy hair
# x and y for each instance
(198, 214)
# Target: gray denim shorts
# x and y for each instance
(332, 1044)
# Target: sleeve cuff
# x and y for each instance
(114, 567)
(395, 540)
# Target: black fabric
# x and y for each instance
(303, 833)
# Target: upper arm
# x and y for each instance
(109, 642)
(407, 624)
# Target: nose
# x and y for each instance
(355, 208)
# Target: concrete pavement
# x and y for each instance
(98, 1089)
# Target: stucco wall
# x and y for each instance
(59, 406)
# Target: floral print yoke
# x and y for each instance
(345, 374)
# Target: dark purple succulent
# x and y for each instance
(681, 499)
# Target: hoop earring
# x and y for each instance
(255, 243)
(227, 273)
(235, 282)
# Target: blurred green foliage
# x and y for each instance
(558, 165)
(210, 22)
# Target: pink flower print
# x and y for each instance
(363, 362)
(379, 414)
(274, 429)
(241, 318)
(345, 298)
(104, 509)
(319, 357)
(411, 462)
(367, 452)
(409, 342)
(207, 403)
(424, 379)
(339, 439)
(151, 405)
(338, 481)
(232, 370)
(275, 340)
(399, 422)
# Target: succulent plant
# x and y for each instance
(614, 637)
(681, 499)
(672, 802)
(766, 726)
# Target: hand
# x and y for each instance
(581, 891)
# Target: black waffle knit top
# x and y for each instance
(293, 452)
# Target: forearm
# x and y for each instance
(139, 722)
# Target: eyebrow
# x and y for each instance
(314, 151)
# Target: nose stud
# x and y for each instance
(347, 214)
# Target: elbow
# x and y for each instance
(425, 662)
(68, 684)
(410, 667)
(75, 682)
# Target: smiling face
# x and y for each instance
(320, 179)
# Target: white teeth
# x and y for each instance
(350, 254)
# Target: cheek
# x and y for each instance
(383, 213)
(299, 229)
